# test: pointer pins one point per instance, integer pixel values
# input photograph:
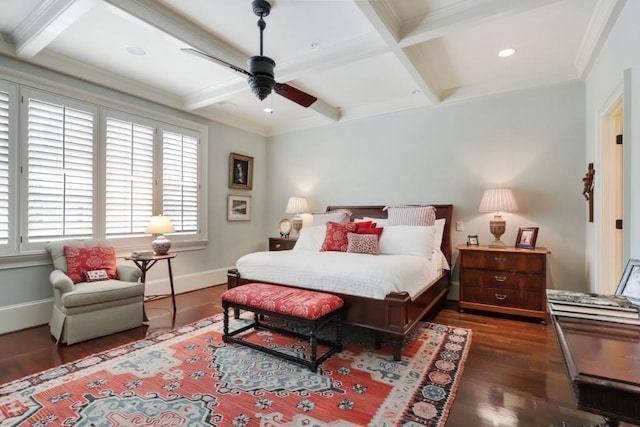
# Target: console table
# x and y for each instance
(602, 360)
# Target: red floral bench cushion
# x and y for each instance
(279, 299)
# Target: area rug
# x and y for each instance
(189, 377)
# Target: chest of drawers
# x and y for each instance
(281, 244)
(510, 280)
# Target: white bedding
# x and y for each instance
(347, 273)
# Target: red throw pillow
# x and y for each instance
(336, 238)
(81, 260)
(372, 230)
(365, 224)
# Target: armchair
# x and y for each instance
(85, 310)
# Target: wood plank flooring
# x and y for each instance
(513, 376)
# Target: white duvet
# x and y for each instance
(347, 273)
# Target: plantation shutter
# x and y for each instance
(60, 171)
(4, 168)
(180, 180)
(129, 178)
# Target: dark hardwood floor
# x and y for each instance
(513, 376)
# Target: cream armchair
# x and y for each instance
(86, 310)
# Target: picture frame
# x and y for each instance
(527, 237)
(629, 285)
(238, 207)
(472, 240)
(240, 171)
(285, 228)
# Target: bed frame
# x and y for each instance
(396, 315)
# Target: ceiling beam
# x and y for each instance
(459, 16)
(47, 22)
(165, 20)
(388, 28)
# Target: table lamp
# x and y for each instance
(297, 205)
(498, 200)
(159, 225)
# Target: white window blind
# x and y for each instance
(180, 180)
(4, 168)
(129, 177)
(60, 171)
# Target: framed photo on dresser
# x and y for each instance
(527, 237)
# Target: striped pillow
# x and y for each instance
(411, 215)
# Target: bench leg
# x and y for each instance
(339, 337)
(225, 327)
(313, 341)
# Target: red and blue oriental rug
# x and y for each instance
(189, 377)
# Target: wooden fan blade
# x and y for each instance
(295, 95)
(218, 60)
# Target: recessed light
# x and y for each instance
(314, 45)
(506, 52)
(135, 50)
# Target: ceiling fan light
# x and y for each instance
(261, 81)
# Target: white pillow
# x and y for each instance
(407, 240)
(341, 217)
(311, 238)
(437, 238)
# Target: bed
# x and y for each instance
(393, 314)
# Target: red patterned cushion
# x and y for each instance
(366, 224)
(363, 243)
(279, 299)
(336, 237)
(80, 260)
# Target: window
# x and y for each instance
(75, 169)
(129, 177)
(60, 173)
(180, 186)
(4, 167)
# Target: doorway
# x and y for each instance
(612, 200)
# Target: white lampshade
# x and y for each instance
(297, 205)
(498, 200)
(159, 225)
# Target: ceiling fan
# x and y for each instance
(260, 75)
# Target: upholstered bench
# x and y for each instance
(310, 309)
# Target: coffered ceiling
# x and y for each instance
(360, 58)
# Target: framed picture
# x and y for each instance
(472, 240)
(527, 237)
(238, 208)
(240, 171)
(629, 285)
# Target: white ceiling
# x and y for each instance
(358, 57)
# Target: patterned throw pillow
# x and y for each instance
(362, 243)
(80, 259)
(336, 237)
(411, 215)
(96, 275)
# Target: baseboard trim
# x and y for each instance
(35, 313)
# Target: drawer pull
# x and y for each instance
(500, 278)
(278, 245)
(499, 259)
(501, 297)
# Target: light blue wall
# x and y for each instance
(532, 141)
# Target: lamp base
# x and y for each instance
(161, 245)
(297, 224)
(497, 226)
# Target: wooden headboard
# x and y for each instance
(442, 211)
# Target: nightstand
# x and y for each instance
(281, 244)
(509, 280)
